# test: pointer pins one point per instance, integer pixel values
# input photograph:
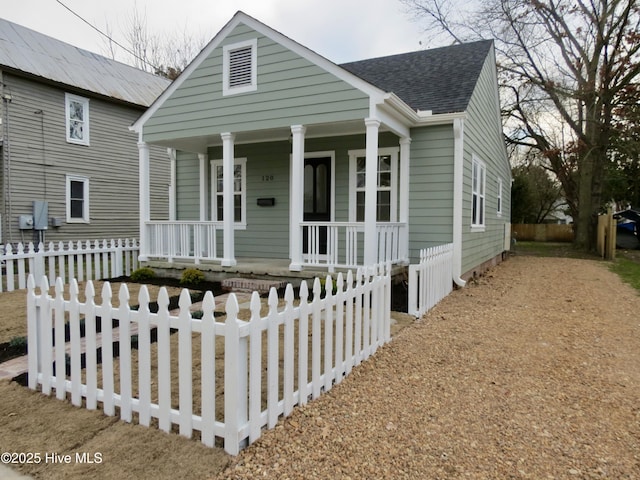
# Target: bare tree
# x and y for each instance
(565, 65)
(161, 53)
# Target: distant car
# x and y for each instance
(628, 234)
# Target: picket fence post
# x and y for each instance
(255, 368)
(303, 344)
(164, 362)
(207, 360)
(33, 333)
(106, 315)
(235, 378)
(185, 362)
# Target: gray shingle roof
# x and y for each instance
(440, 79)
(34, 53)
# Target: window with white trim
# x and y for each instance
(478, 192)
(77, 119)
(499, 197)
(239, 67)
(239, 191)
(386, 188)
(77, 199)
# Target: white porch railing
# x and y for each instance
(341, 244)
(326, 244)
(183, 240)
(430, 280)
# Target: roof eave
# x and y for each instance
(419, 118)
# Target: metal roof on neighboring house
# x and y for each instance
(34, 53)
(440, 79)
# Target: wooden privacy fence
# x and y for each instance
(542, 232)
(83, 260)
(224, 379)
(430, 280)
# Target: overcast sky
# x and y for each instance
(340, 30)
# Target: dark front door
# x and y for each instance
(317, 201)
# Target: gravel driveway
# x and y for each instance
(533, 372)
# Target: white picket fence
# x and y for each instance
(82, 260)
(270, 363)
(430, 280)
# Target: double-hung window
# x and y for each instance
(77, 199)
(239, 67)
(478, 193)
(239, 191)
(386, 185)
(77, 119)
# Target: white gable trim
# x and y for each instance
(375, 93)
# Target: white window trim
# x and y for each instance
(393, 152)
(476, 226)
(85, 206)
(226, 89)
(68, 97)
(499, 209)
(243, 194)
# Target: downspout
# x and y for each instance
(458, 179)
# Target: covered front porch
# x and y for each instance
(312, 198)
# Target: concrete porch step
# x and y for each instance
(250, 285)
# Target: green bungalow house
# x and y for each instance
(280, 155)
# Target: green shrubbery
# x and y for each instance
(191, 277)
(143, 274)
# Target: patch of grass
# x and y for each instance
(628, 270)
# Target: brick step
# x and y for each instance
(251, 284)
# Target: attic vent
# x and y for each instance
(239, 68)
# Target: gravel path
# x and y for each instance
(533, 372)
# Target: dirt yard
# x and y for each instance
(531, 372)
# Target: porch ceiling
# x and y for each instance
(199, 144)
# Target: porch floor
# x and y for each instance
(246, 267)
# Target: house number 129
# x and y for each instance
(267, 178)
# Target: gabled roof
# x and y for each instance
(25, 50)
(441, 79)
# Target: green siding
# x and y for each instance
(483, 137)
(187, 186)
(291, 90)
(431, 188)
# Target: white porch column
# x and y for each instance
(405, 155)
(296, 207)
(171, 152)
(204, 186)
(371, 193)
(145, 197)
(229, 258)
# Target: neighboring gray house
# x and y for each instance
(283, 156)
(69, 160)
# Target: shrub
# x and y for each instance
(143, 274)
(18, 342)
(191, 277)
